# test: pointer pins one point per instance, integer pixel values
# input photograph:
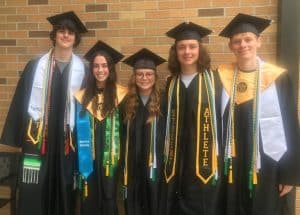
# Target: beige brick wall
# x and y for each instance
(127, 25)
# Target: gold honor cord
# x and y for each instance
(205, 180)
(111, 145)
(113, 139)
(126, 155)
(213, 123)
(167, 143)
(36, 139)
(93, 136)
(150, 160)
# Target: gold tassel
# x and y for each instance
(107, 170)
(230, 175)
(85, 189)
(125, 179)
(254, 177)
(233, 149)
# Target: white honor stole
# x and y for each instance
(76, 75)
(270, 123)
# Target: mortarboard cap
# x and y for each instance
(188, 30)
(242, 23)
(69, 19)
(103, 47)
(144, 59)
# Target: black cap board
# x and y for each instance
(101, 46)
(188, 30)
(144, 59)
(242, 23)
(69, 19)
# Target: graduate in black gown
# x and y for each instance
(145, 122)
(41, 119)
(98, 132)
(192, 171)
(260, 128)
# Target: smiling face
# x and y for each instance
(244, 46)
(145, 80)
(100, 70)
(187, 52)
(64, 39)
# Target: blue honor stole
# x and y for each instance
(84, 144)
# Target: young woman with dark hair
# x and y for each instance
(145, 135)
(98, 132)
(193, 162)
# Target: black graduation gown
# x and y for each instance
(265, 199)
(186, 194)
(102, 190)
(54, 194)
(142, 192)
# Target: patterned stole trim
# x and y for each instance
(31, 169)
(172, 126)
(111, 153)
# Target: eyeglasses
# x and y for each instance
(140, 75)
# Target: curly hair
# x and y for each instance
(174, 65)
(131, 103)
(109, 92)
(66, 25)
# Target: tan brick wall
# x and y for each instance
(127, 25)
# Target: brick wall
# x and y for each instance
(124, 24)
(127, 25)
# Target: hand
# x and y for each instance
(284, 189)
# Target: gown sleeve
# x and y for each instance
(14, 127)
(289, 165)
